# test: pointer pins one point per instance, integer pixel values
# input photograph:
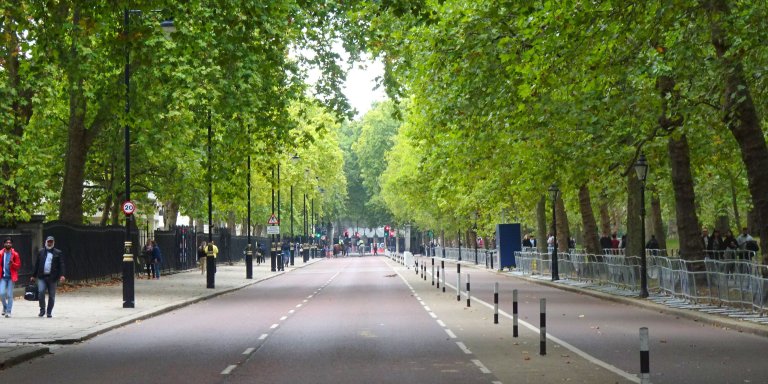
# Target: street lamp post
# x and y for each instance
(295, 158)
(280, 266)
(128, 266)
(210, 259)
(474, 232)
(249, 249)
(314, 230)
(272, 245)
(554, 193)
(641, 167)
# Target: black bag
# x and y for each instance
(751, 245)
(30, 292)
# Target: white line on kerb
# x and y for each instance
(463, 348)
(450, 334)
(482, 367)
(249, 351)
(228, 370)
(263, 336)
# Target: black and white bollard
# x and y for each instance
(543, 326)
(495, 303)
(442, 265)
(438, 277)
(416, 267)
(424, 271)
(645, 358)
(514, 313)
(468, 304)
(458, 287)
(433, 271)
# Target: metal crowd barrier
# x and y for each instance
(735, 282)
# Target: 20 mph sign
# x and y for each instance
(129, 207)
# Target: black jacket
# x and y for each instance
(57, 264)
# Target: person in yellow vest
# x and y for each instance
(213, 249)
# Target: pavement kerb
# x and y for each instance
(712, 320)
(19, 354)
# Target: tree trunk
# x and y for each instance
(657, 222)
(71, 204)
(541, 223)
(591, 238)
(734, 201)
(605, 216)
(741, 118)
(170, 213)
(563, 231)
(688, 229)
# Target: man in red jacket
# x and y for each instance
(9, 274)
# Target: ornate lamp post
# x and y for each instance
(474, 232)
(641, 167)
(128, 267)
(554, 194)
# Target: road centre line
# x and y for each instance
(482, 367)
(463, 348)
(228, 369)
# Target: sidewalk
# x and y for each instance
(87, 312)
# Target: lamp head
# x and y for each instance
(554, 192)
(168, 28)
(641, 167)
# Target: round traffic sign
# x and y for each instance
(129, 207)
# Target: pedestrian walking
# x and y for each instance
(9, 275)
(146, 254)
(201, 255)
(49, 271)
(285, 249)
(157, 259)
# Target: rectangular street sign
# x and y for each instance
(273, 230)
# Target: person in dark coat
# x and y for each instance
(49, 271)
(157, 259)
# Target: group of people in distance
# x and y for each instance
(717, 243)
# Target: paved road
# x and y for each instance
(369, 319)
(682, 350)
(338, 321)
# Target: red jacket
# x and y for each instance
(15, 264)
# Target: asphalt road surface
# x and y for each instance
(369, 320)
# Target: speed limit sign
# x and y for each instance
(129, 207)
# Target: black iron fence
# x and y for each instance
(96, 252)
